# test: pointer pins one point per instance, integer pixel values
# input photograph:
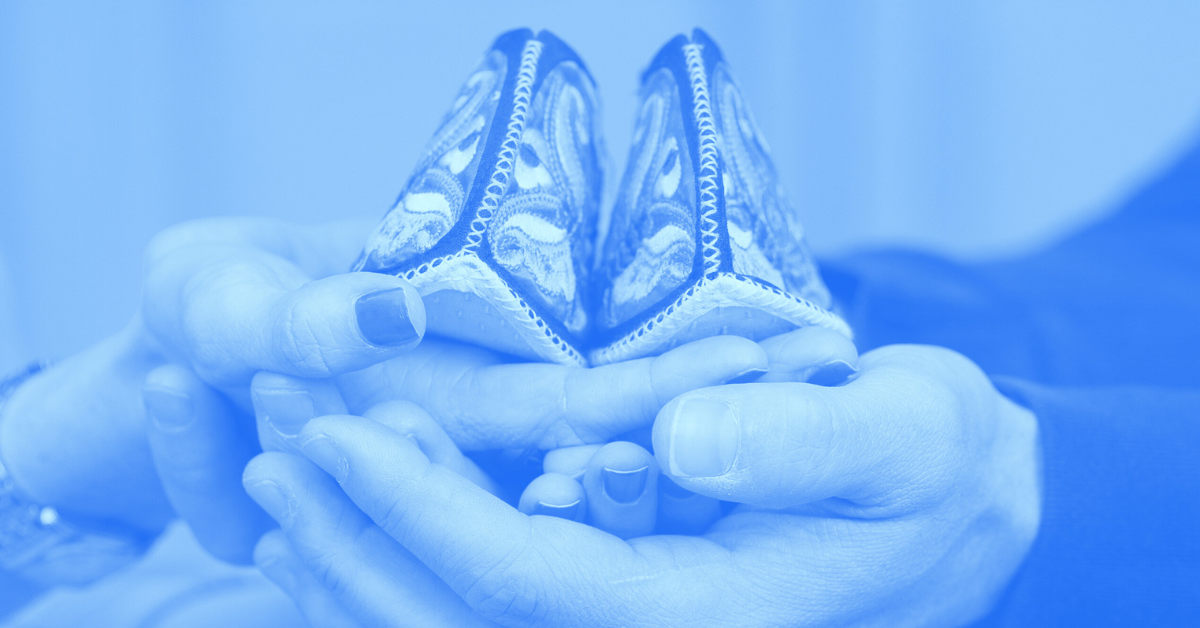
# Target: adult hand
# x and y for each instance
(485, 402)
(227, 298)
(232, 297)
(911, 498)
(616, 487)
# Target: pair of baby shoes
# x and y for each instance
(502, 230)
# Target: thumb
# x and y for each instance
(230, 305)
(232, 325)
(786, 444)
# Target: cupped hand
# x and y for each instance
(617, 487)
(485, 401)
(224, 298)
(232, 297)
(906, 497)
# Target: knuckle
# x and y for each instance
(397, 518)
(301, 343)
(185, 234)
(506, 589)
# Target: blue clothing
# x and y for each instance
(1098, 336)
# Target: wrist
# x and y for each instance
(36, 544)
(74, 436)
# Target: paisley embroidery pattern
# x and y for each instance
(766, 239)
(651, 247)
(499, 220)
(497, 228)
(703, 242)
(433, 200)
(542, 231)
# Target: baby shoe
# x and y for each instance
(700, 241)
(496, 227)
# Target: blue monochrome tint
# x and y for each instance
(495, 228)
(532, 393)
(701, 241)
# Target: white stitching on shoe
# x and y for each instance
(707, 175)
(522, 94)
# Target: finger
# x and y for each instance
(499, 560)
(231, 310)
(681, 511)
(506, 565)
(554, 495)
(365, 569)
(320, 250)
(622, 488)
(780, 445)
(569, 461)
(276, 559)
(485, 405)
(810, 354)
(284, 404)
(409, 420)
(200, 444)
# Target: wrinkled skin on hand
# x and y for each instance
(906, 497)
(224, 299)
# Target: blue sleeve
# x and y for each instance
(1109, 317)
(1114, 304)
(1119, 542)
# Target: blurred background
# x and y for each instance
(973, 129)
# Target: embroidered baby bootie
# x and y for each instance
(700, 241)
(496, 227)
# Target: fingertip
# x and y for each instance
(327, 399)
(569, 461)
(169, 396)
(284, 404)
(699, 434)
(266, 466)
(708, 362)
(273, 556)
(554, 495)
(730, 349)
(660, 430)
(391, 317)
(810, 354)
(339, 324)
(271, 547)
(621, 483)
(172, 377)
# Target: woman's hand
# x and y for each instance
(226, 298)
(907, 497)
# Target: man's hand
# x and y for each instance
(907, 497)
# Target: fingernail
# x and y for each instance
(287, 411)
(566, 511)
(747, 375)
(321, 450)
(625, 487)
(273, 499)
(388, 319)
(830, 373)
(704, 438)
(171, 410)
